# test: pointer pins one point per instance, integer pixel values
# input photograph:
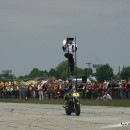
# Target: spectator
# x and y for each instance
(40, 91)
(128, 87)
(45, 89)
(105, 96)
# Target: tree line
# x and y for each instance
(104, 72)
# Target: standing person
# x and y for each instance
(40, 91)
(69, 47)
(45, 88)
(128, 89)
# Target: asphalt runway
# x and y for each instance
(14, 116)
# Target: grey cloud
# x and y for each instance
(32, 32)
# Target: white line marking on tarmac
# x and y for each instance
(123, 124)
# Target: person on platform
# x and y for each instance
(69, 47)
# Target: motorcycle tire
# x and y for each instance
(77, 110)
(67, 112)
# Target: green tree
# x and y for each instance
(20, 78)
(52, 72)
(125, 73)
(88, 71)
(37, 73)
(7, 75)
(44, 74)
(1, 78)
(62, 71)
(34, 73)
(80, 71)
(104, 72)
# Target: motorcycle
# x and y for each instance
(72, 103)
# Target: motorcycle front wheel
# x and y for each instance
(77, 110)
(68, 112)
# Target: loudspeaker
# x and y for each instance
(84, 79)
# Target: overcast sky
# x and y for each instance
(32, 31)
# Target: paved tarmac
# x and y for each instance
(14, 116)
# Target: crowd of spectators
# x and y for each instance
(91, 90)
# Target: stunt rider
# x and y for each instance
(69, 47)
(68, 96)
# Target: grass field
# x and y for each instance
(114, 102)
